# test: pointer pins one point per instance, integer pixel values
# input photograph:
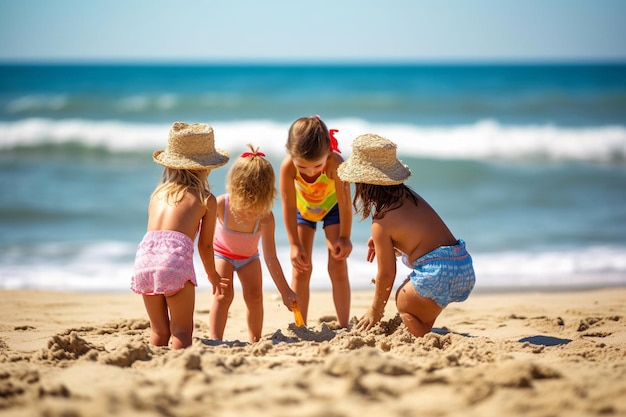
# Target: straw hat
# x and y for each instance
(373, 161)
(191, 147)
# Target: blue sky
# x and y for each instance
(322, 30)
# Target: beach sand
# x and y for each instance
(497, 354)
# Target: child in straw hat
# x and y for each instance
(244, 217)
(402, 221)
(180, 205)
(312, 192)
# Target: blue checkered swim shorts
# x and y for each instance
(445, 275)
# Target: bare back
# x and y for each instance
(415, 229)
(184, 216)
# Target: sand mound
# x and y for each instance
(572, 362)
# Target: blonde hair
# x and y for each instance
(308, 139)
(250, 183)
(175, 183)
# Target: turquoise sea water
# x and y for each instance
(526, 163)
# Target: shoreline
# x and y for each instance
(515, 353)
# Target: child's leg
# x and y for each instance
(156, 306)
(181, 305)
(418, 313)
(221, 303)
(252, 287)
(338, 272)
(300, 280)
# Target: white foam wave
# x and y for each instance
(107, 266)
(112, 135)
(594, 265)
(482, 140)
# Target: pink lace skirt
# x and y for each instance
(164, 263)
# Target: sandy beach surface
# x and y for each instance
(497, 354)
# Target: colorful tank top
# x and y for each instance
(233, 244)
(315, 199)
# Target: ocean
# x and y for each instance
(525, 162)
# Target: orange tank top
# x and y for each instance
(315, 199)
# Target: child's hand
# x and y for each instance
(218, 284)
(369, 319)
(289, 297)
(299, 259)
(371, 250)
(341, 248)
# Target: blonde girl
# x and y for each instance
(244, 216)
(180, 207)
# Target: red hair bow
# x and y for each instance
(334, 144)
(247, 154)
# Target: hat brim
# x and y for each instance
(211, 161)
(368, 174)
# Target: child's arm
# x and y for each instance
(343, 246)
(205, 245)
(268, 228)
(385, 277)
(299, 258)
(371, 250)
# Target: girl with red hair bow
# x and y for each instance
(311, 192)
(244, 216)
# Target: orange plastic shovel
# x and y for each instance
(297, 315)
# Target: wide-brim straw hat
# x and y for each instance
(373, 161)
(192, 147)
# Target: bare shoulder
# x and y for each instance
(267, 219)
(286, 166)
(393, 221)
(211, 202)
(332, 163)
(192, 203)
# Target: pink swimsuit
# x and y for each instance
(235, 245)
(164, 263)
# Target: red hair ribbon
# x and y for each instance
(247, 154)
(334, 144)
